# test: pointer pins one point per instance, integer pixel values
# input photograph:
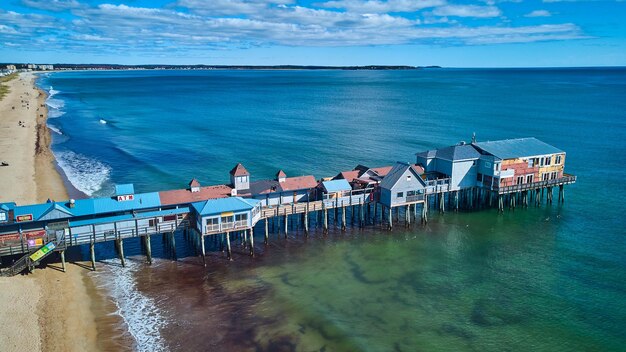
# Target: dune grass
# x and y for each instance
(4, 89)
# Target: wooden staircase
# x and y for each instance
(26, 262)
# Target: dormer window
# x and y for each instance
(408, 178)
(3, 216)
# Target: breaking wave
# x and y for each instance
(86, 174)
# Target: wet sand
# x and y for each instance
(47, 310)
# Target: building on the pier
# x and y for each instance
(403, 185)
(240, 179)
(365, 177)
(226, 214)
(283, 189)
(519, 161)
(458, 162)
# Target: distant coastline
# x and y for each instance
(224, 67)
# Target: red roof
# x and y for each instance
(239, 170)
(418, 169)
(194, 183)
(300, 182)
(280, 174)
(180, 196)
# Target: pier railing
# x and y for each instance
(565, 180)
(438, 185)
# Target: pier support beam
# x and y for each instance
(306, 221)
(252, 241)
(148, 249)
(286, 222)
(120, 251)
(267, 232)
(202, 250)
(407, 215)
(228, 251)
(173, 243)
(62, 260)
(390, 225)
(92, 250)
(325, 215)
(343, 217)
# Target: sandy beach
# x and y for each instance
(48, 310)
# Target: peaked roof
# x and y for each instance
(517, 148)
(7, 206)
(281, 173)
(239, 170)
(194, 183)
(222, 205)
(289, 184)
(396, 173)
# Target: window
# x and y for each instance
(520, 180)
(531, 163)
(408, 178)
(212, 221)
(169, 218)
(227, 220)
(529, 178)
(410, 193)
(548, 160)
(558, 160)
(553, 176)
(3, 216)
(400, 195)
(545, 177)
(542, 160)
(241, 217)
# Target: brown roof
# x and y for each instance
(419, 169)
(194, 183)
(348, 175)
(281, 173)
(300, 182)
(180, 196)
(239, 170)
(382, 171)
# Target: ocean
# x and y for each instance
(549, 278)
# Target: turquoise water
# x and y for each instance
(550, 278)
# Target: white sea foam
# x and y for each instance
(52, 92)
(86, 174)
(55, 129)
(54, 113)
(140, 313)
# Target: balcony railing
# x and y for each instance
(566, 179)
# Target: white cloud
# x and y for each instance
(375, 6)
(538, 13)
(52, 5)
(194, 25)
(468, 11)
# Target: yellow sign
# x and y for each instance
(228, 213)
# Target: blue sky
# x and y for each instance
(452, 33)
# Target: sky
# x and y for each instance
(449, 33)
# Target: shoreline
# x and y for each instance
(57, 310)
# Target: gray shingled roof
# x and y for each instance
(517, 148)
(454, 153)
(458, 152)
(395, 174)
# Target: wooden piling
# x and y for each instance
(228, 251)
(92, 250)
(267, 232)
(148, 249)
(202, 250)
(343, 217)
(62, 253)
(120, 251)
(252, 241)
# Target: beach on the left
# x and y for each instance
(48, 310)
